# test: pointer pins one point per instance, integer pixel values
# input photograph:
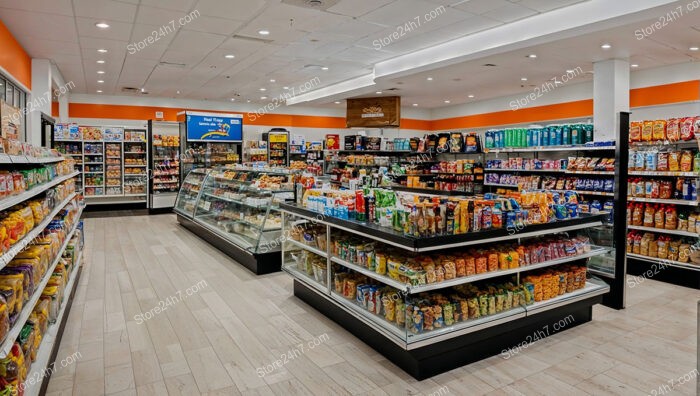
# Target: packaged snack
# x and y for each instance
(674, 161)
(671, 218)
(635, 131)
(673, 133)
(687, 128)
(448, 314)
(659, 130)
(649, 212)
(647, 131)
(686, 161)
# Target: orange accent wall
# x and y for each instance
(581, 108)
(687, 91)
(13, 58)
(54, 109)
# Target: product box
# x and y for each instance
(350, 142)
(373, 143)
(298, 140)
(332, 142)
(314, 146)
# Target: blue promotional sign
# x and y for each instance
(214, 128)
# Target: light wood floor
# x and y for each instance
(213, 341)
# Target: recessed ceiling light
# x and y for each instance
(272, 80)
(143, 89)
(248, 101)
(285, 87)
(336, 102)
(606, 46)
(263, 89)
(178, 92)
(263, 97)
(229, 56)
(100, 61)
(263, 32)
(102, 25)
(415, 104)
(694, 48)
(102, 50)
(570, 71)
(100, 72)
(100, 81)
(447, 101)
(470, 96)
(99, 91)
(523, 79)
(378, 92)
(324, 68)
(634, 65)
(429, 79)
(233, 99)
(532, 56)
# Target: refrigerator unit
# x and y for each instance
(209, 140)
(277, 146)
(164, 167)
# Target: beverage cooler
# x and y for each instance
(164, 167)
(209, 139)
(277, 146)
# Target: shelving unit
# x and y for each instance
(453, 345)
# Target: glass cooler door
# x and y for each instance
(190, 192)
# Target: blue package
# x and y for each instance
(572, 209)
(560, 211)
(596, 207)
(609, 185)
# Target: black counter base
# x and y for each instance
(431, 360)
(673, 275)
(259, 264)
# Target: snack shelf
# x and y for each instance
(93, 163)
(583, 192)
(289, 268)
(28, 306)
(375, 151)
(593, 287)
(664, 201)
(113, 157)
(26, 159)
(526, 170)
(664, 231)
(311, 249)
(662, 173)
(409, 289)
(547, 148)
(398, 239)
(33, 233)
(591, 172)
(23, 196)
(665, 262)
(375, 321)
(134, 152)
(501, 185)
(135, 166)
(660, 143)
(52, 337)
(428, 191)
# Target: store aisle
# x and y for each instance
(221, 326)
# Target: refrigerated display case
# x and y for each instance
(209, 139)
(164, 168)
(235, 208)
(135, 159)
(277, 147)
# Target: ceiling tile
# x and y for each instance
(141, 47)
(196, 42)
(42, 48)
(39, 25)
(105, 10)
(548, 5)
(481, 6)
(189, 59)
(60, 7)
(356, 8)
(160, 17)
(135, 72)
(213, 25)
(177, 5)
(510, 13)
(120, 31)
(239, 10)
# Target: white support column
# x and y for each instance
(40, 99)
(611, 95)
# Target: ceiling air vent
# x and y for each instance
(253, 39)
(490, 65)
(315, 4)
(132, 90)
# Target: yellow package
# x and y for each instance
(464, 217)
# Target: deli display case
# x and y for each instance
(236, 209)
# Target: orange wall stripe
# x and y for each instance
(581, 108)
(687, 91)
(54, 109)
(14, 58)
(422, 125)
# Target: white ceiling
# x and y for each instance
(342, 38)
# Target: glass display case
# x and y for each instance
(165, 157)
(237, 209)
(421, 297)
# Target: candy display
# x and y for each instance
(590, 164)
(424, 269)
(672, 130)
(527, 164)
(528, 183)
(426, 217)
(426, 312)
(552, 135)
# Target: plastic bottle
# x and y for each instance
(489, 139)
(566, 135)
(696, 162)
